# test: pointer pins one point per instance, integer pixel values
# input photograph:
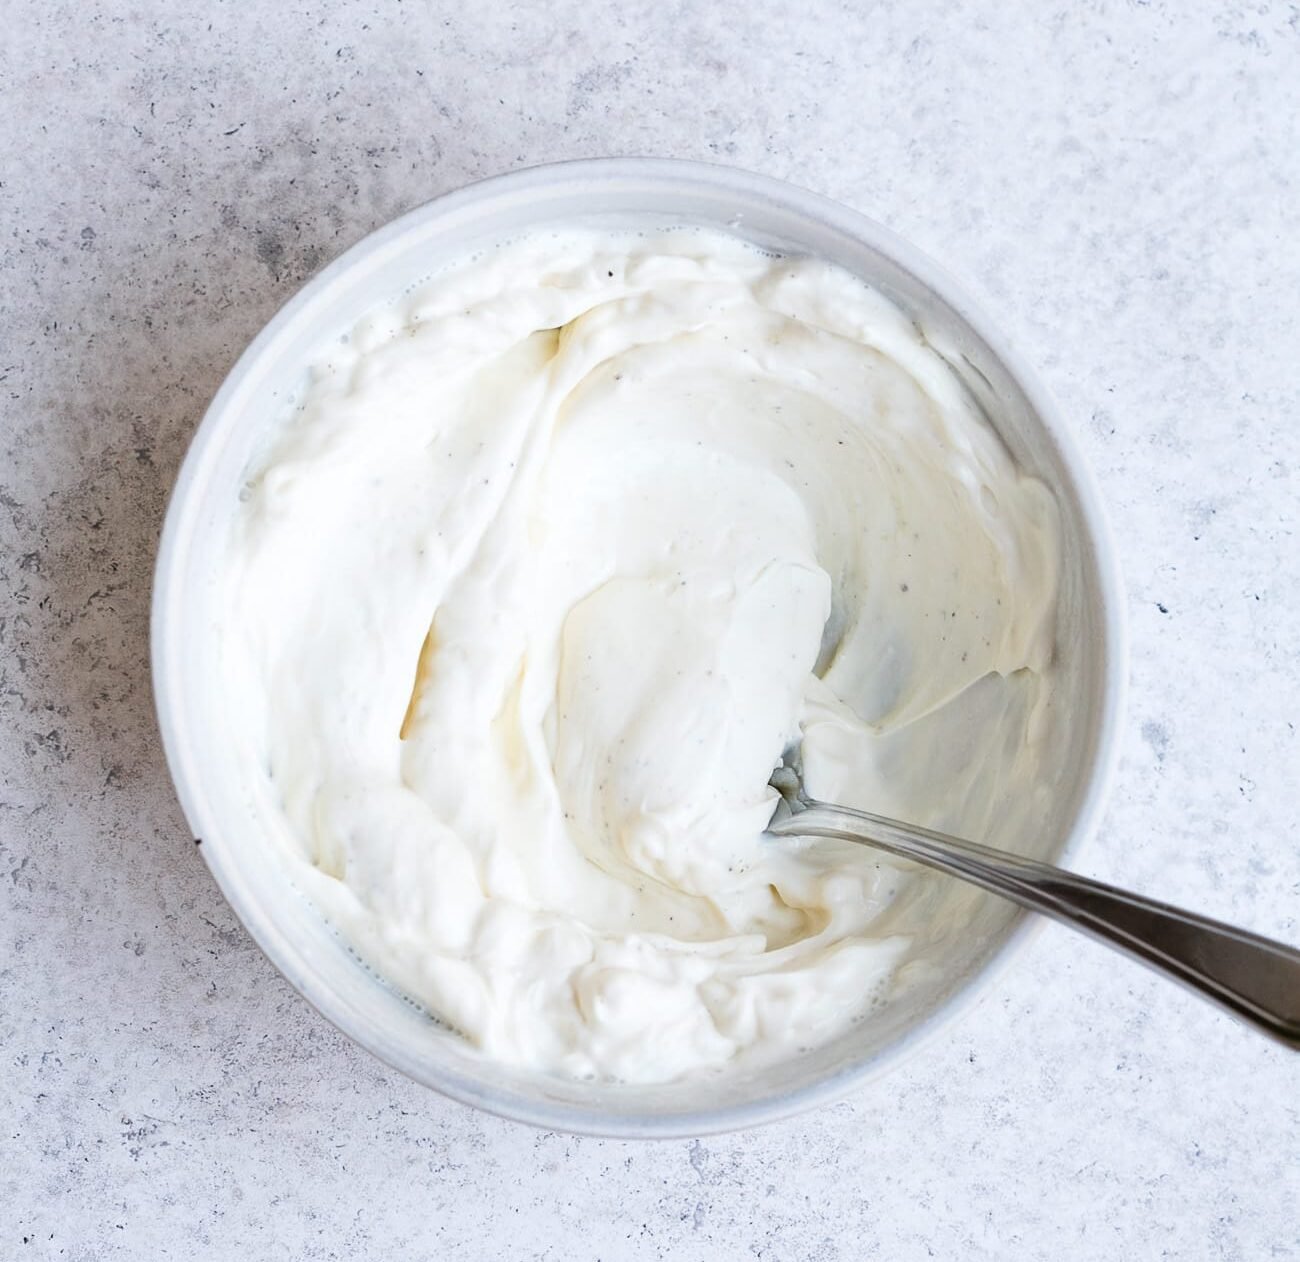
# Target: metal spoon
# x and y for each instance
(1254, 978)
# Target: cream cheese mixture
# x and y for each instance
(556, 556)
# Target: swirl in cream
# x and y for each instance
(554, 559)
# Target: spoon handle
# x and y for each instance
(1254, 978)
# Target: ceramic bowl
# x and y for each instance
(200, 732)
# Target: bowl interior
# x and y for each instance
(198, 730)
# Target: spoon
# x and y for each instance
(1255, 979)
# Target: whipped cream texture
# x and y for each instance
(529, 593)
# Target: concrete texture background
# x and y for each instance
(1119, 181)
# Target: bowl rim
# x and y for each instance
(167, 651)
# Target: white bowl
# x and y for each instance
(198, 730)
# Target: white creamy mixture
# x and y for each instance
(529, 595)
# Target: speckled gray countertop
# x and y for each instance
(1119, 181)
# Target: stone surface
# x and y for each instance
(1120, 182)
